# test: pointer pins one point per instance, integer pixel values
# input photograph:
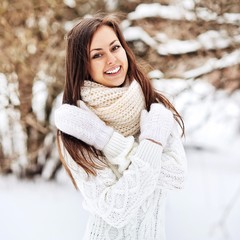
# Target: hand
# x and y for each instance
(83, 124)
(156, 125)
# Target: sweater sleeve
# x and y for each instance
(173, 159)
(174, 163)
(117, 200)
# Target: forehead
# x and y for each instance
(103, 36)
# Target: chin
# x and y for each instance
(123, 82)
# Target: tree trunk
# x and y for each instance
(28, 120)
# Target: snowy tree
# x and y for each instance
(32, 56)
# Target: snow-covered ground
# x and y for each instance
(209, 206)
(39, 210)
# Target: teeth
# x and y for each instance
(114, 70)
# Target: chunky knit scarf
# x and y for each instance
(118, 107)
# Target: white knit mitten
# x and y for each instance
(83, 124)
(156, 124)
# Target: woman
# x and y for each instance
(117, 137)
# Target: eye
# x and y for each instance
(97, 55)
(115, 47)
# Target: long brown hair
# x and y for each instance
(77, 59)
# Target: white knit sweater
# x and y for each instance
(129, 204)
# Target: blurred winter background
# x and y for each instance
(191, 51)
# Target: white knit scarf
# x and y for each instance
(118, 107)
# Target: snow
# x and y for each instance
(155, 74)
(231, 18)
(182, 11)
(43, 24)
(68, 25)
(209, 40)
(137, 33)
(111, 5)
(227, 60)
(214, 40)
(206, 14)
(39, 210)
(175, 46)
(70, 3)
(12, 136)
(211, 117)
(40, 94)
(158, 10)
(209, 206)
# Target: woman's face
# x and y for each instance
(108, 64)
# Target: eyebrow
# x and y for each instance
(97, 49)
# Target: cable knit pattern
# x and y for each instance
(156, 124)
(118, 107)
(174, 164)
(132, 206)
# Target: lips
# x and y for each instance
(113, 70)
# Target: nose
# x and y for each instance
(110, 58)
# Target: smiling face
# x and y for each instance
(108, 63)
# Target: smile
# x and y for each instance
(113, 71)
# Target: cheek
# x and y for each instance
(125, 60)
(93, 69)
(124, 57)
